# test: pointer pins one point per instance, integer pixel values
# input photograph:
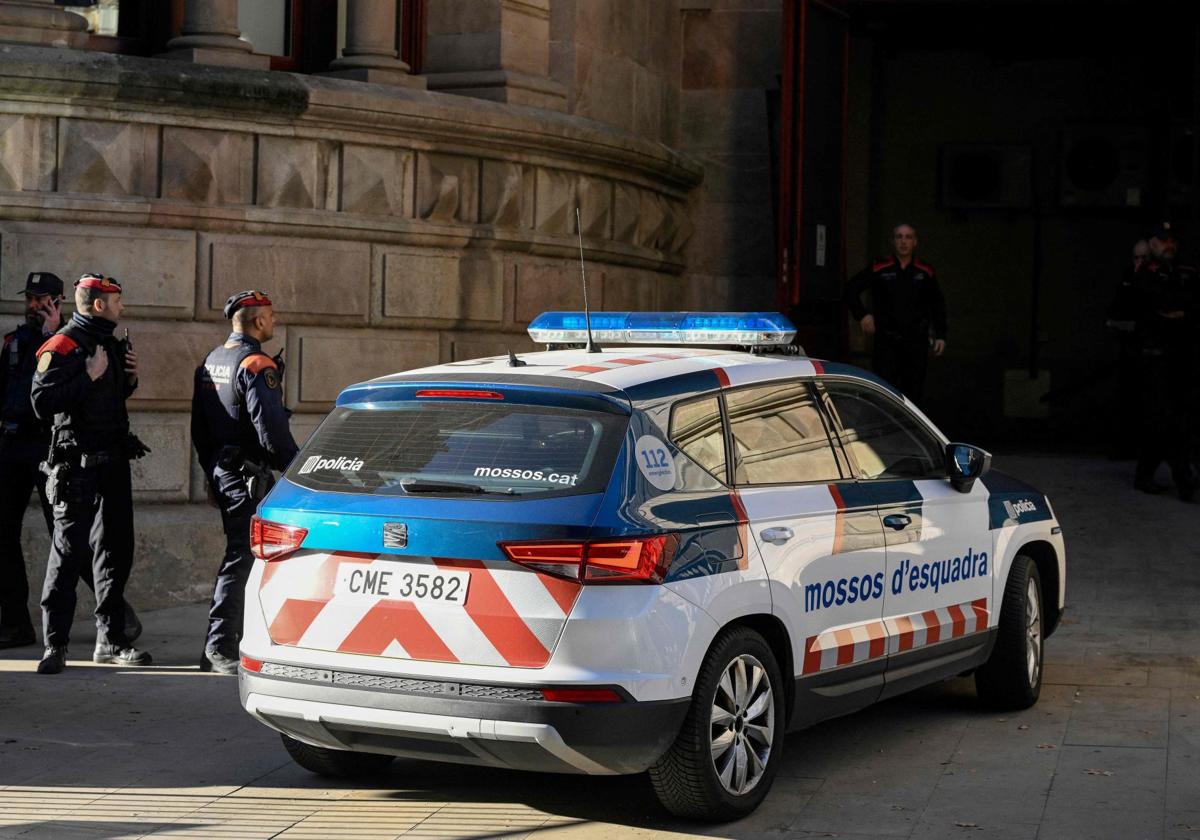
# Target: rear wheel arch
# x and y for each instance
(780, 641)
(1045, 558)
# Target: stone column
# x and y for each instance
(492, 49)
(41, 22)
(370, 54)
(210, 36)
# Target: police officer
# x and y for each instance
(906, 313)
(84, 376)
(24, 441)
(240, 431)
(1167, 309)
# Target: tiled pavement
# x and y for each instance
(1111, 751)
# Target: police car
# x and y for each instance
(660, 557)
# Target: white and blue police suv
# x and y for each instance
(660, 557)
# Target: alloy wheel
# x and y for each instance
(742, 724)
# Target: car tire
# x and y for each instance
(692, 780)
(337, 764)
(1012, 676)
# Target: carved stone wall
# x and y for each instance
(393, 228)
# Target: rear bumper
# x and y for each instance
(601, 738)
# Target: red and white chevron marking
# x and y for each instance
(602, 364)
(874, 639)
(512, 616)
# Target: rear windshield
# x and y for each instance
(436, 449)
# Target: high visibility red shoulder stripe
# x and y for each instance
(257, 362)
(883, 264)
(926, 267)
(60, 344)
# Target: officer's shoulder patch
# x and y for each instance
(60, 344)
(271, 377)
(44, 361)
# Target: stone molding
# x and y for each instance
(461, 172)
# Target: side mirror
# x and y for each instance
(964, 464)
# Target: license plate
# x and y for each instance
(402, 582)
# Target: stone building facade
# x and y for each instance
(397, 219)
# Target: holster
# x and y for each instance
(258, 477)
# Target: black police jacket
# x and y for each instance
(24, 435)
(1168, 307)
(92, 412)
(906, 301)
(237, 401)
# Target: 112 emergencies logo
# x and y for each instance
(316, 462)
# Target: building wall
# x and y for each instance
(394, 228)
(619, 62)
(730, 69)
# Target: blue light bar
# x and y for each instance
(752, 329)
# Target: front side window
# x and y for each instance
(779, 436)
(439, 449)
(697, 432)
(882, 438)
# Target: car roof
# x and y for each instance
(632, 369)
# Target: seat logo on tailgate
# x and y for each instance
(395, 535)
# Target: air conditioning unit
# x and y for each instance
(1103, 167)
(986, 176)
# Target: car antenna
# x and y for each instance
(592, 346)
(513, 361)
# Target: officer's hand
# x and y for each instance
(939, 346)
(51, 316)
(868, 324)
(97, 363)
(131, 363)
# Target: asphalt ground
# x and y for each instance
(1112, 750)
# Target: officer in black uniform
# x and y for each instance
(1165, 329)
(24, 442)
(906, 313)
(240, 431)
(83, 377)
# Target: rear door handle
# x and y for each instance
(897, 521)
(776, 536)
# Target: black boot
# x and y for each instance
(53, 661)
(17, 636)
(133, 624)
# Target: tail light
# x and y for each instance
(635, 560)
(253, 665)
(272, 540)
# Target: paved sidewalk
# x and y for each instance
(1111, 751)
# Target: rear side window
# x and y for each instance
(697, 432)
(884, 439)
(779, 436)
(478, 449)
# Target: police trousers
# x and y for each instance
(19, 477)
(93, 529)
(902, 361)
(237, 503)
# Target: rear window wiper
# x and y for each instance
(452, 487)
